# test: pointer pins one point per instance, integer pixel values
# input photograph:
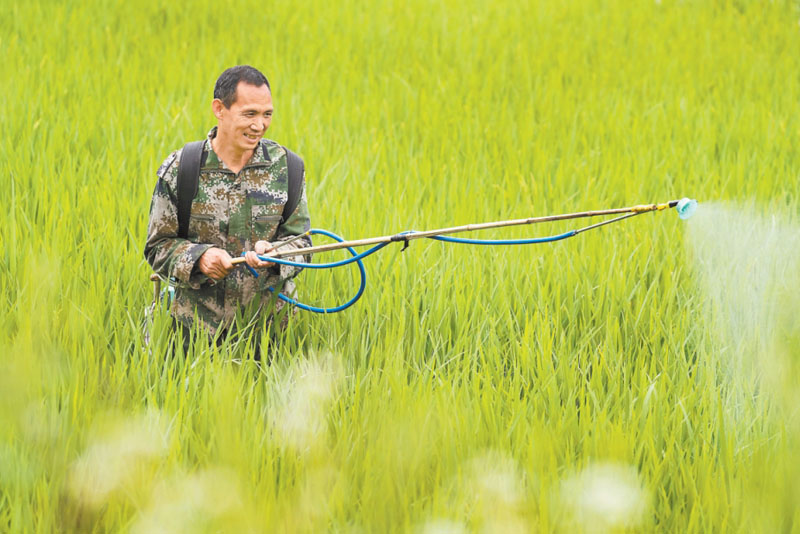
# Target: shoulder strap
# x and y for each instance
(188, 178)
(296, 168)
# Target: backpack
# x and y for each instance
(189, 178)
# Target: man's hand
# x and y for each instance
(251, 256)
(215, 263)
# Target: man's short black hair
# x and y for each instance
(225, 88)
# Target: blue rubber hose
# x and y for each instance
(530, 241)
(356, 258)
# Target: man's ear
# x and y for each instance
(217, 106)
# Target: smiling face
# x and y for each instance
(241, 126)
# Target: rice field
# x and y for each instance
(642, 377)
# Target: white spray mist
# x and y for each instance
(748, 268)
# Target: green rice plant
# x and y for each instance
(639, 378)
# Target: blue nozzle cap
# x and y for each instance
(686, 207)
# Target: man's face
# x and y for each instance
(243, 124)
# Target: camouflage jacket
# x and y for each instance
(231, 211)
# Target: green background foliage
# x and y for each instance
(470, 388)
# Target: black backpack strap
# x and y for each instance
(296, 168)
(188, 179)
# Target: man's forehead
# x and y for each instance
(258, 106)
(248, 90)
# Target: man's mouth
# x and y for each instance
(252, 137)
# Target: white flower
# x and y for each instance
(111, 458)
(443, 526)
(604, 497)
(201, 502)
(306, 394)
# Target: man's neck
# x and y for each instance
(232, 158)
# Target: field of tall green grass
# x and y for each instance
(643, 377)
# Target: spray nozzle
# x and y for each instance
(686, 207)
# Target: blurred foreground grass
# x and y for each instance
(640, 378)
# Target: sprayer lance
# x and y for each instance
(408, 236)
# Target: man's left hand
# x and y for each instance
(260, 249)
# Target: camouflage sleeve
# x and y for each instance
(297, 223)
(170, 256)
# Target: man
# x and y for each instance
(242, 189)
